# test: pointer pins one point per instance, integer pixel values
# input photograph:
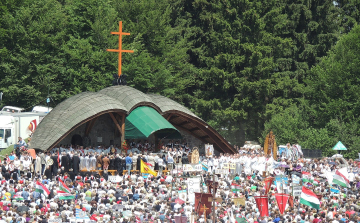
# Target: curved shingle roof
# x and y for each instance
(80, 108)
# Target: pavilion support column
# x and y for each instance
(156, 143)
(122, 130)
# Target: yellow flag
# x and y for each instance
(145, 169)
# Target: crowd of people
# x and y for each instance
(135, 197)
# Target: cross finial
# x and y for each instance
(204, 209)
(120, 50)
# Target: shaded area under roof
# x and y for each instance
(83, 107)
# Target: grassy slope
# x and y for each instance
(8, 150)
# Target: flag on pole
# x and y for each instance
(309, 198)
(262, 203)
(41, 189)
(63, 187)
(281, 200)
(32, 125)
(341, 177)
(204, 167)
(145, 169)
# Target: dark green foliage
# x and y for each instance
(244, 66)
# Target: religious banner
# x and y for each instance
(221, 171)
(202, 199)
(262, 203)
(180, 219)
(114, 179)
(239, 201)
(296, 191)
(210, 184)
(191, 167)
(281, 179)
(182, 195)
(295, 179)
(281, 200)
(268, 182)
(193, 185)
(209, 150)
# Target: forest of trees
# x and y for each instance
(243, 66)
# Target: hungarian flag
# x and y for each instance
(235, 187)
(63, 187)
(268, 182)
(66, 196)
(309, 198)
(305, 174)
(341, 177)
(311, 181)
(262, 204)
(18, 196)
(41, 189)
(281, 200)
(146, 169)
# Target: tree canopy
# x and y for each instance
(244, 66)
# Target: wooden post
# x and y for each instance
(122, 129)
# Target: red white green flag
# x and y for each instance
(63, 187)
(309, 198)
(235, 187)
(341, 177)
(41, 189)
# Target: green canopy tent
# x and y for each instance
(339, 146)
(144, 121)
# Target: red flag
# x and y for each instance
(59, 159)
(262, 204)
(291, 201)
(268, 181)
(281, 200)
(32, 125)
(202, 199)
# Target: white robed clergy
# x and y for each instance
(261, 164)
(270, 165)
(247, 167)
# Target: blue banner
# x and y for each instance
(280, 179)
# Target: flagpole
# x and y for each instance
(213, 203)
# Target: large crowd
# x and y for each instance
(135, 197)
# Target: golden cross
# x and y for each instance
(120, 50)
(205, 208)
